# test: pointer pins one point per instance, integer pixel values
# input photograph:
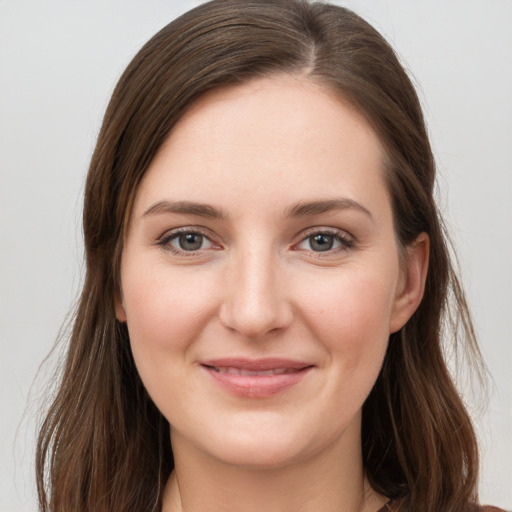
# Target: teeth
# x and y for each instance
(242, 371)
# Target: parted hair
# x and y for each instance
(103, 445)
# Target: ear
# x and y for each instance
(119, 307)
(411, 284)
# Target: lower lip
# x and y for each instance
(257, 386)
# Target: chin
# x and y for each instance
(270, 442)
(263, 455)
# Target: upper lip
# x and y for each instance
(257, 364)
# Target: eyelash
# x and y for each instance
(345, 241)
(165, 241)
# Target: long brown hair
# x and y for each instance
(103, 445)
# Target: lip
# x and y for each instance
(256, 378)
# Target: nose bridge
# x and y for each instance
(255, 299)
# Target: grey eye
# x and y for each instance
(321, 242)
(187, 242)
(190, 241)
(325, 241)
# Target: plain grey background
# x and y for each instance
(59, 61)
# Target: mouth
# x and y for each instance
(241, 371)
(260, 378)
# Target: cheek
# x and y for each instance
(166, 311)
(350, 314)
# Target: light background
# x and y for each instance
(59, 61)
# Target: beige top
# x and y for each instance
(394, 506)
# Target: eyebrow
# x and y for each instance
(319, 207)
(186, 208)
(301, 209)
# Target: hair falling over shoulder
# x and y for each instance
(103, 445)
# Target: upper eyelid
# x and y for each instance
(342, 233)
(169, 233)
(347, 240)
(166, 239)
(301, 236)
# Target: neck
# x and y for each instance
(331, 481)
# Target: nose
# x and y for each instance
(255, 300)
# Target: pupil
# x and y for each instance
(321, 242)
(190, 241)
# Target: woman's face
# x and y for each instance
(260, 275)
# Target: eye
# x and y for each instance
(321, 242)
(325, 241)
(186, 241)
(190, 241)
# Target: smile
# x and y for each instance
(241, 371)
(256, 378)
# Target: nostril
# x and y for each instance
(254, 303)
(255, 321)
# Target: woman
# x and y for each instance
(267, 281)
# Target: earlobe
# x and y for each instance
(412, 282)
(119, 307)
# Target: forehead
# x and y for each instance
(274, 138)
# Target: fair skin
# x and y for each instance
(260, 282)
